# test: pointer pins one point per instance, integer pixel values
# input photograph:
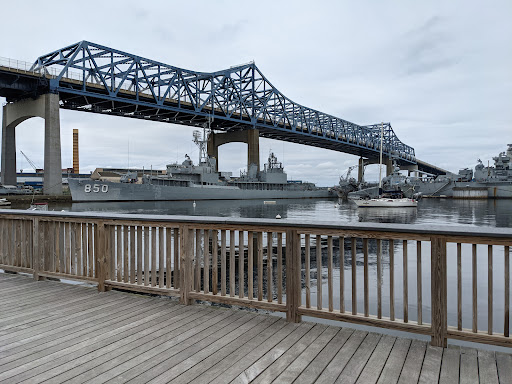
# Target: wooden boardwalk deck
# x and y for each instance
(57, 333)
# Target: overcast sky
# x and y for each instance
(439, 71)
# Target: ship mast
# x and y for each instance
(380, 161)
(202, 143)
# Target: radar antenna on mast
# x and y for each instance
(201, 142)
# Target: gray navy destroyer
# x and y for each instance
(187, 181)
(483, 182)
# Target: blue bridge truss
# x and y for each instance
(94, 78)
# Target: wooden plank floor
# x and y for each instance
(54, 332)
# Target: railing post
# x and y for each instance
(293, 276)
(438, 294)
(102, 257)
(36, 254)
(186, 264)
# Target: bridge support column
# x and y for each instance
(52, 152)
(389, 165)
(46, 107)
(250, 137)
(8, 151)
(360, 170)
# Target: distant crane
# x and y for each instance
(29, 161)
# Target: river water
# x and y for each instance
(475, 213)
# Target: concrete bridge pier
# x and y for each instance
(250, 137)
(411, 169)
(360, 170)
(47, 107)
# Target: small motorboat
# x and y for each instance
(4, 203)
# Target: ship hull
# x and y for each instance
(93, 190)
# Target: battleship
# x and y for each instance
(187, 181)
(485, 182)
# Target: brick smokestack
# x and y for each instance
(76, 162)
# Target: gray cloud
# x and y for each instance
(439, 71)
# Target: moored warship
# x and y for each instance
(187, 181)
(489, 182)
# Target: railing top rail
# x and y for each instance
(435, 230)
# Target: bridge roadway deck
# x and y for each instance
(55, 332)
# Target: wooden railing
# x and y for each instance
(402, 277)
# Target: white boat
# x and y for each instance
(384, 202)
(392, 199)
(4, 203)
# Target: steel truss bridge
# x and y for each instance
(94, 78)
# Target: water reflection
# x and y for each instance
(405, 215)
(485, 213)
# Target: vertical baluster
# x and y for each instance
(30, 240)
(146, 255)
(15, 261)
(139, 254)
(168, 256)
(279, 280)
(342, 274)
(126, 254)
(391, 280)
(96, 251)
(176, 233)
(161, 256)
(318, 272)
(78, 248)
(489, 289)
(223, 262)
(241, 264)
(90, 251)
(308, 272)
(40, 243)
(108, 255)
(329, 273)
(73, 248)
(232, 263)
(111, 241)
(366, 278)
(459, 286)
(2, 243)
(406, 284)
(198, 261)
(260, 265)
(23, 239)
(51, 244)
(379, 278)
(119, 252)
(354, 275)
(67, 246)
(475, 291)
(215, 263)
(270, 293)
(250, 264)
(506, 326)
(206, 284)
(11, 235)
(418, 279)
(154, 232)
(132, 254)
(5, 254)
(84, 249)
